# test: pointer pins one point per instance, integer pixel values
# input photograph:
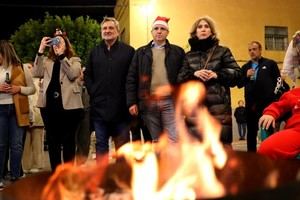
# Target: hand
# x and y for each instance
(15, 89)
(205, 74)
(265, 121)
(60, 48)
(250, 72)
(5, 88)
(133, 110)
(44, 44)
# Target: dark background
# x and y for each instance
(14, 13)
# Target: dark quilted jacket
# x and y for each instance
(218, 90)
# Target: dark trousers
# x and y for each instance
(83, 136)
(138, 128)
(242, 127)
(252, 128)
(119, 131)
(61, 127)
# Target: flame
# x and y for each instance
(194, 175)
(164, 170)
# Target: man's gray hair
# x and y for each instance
(112, 19)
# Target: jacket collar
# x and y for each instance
(150, 44)
(103, 44)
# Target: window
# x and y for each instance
(276, 38)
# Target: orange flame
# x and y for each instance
(183, 170)
(194, 175)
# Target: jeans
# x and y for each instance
(242, 129)
(159, 116)
(119, 131)
(11, 136)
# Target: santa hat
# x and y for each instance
(161, 21)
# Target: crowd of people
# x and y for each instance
(122, 89)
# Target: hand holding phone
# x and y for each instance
(54, 41)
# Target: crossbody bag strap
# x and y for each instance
(209, 56)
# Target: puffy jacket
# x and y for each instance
(218, 99)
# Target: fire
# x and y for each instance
(194, 171)
(164, 170)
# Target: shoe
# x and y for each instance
(13, 179)
(23, 176)
(7, 176)
(34, 170)
(1, 185)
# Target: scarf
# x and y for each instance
(202, 45)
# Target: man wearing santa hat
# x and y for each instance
(150, 80)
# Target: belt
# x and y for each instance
(56, 95)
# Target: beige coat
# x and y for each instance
(69, 72)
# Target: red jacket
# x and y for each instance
(289, 101)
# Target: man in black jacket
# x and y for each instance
(259, 77)
(105, 79)
(152, 75)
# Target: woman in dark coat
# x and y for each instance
(216, 68)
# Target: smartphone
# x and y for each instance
(54, 41)
(7, 79)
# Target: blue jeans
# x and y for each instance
(242, 129)
(159, 116)
(119, 131)
(11, 137)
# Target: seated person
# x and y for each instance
(285, 143)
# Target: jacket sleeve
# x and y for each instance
(88, 75)
(243, 80)
(38, 69)
(132, 81)
(30, 87)
(71, 67)
(186, 72)
(280, 107)
(288, 63)
(230, 72)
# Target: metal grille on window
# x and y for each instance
(276, 38)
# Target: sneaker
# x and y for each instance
(1, 185)
(34, 170)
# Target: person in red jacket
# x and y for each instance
(285, 143)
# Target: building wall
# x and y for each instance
(122, 14)
(238, 22)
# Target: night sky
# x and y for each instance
(15, 12)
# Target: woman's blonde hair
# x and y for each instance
(9, 54)
(210, 22)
